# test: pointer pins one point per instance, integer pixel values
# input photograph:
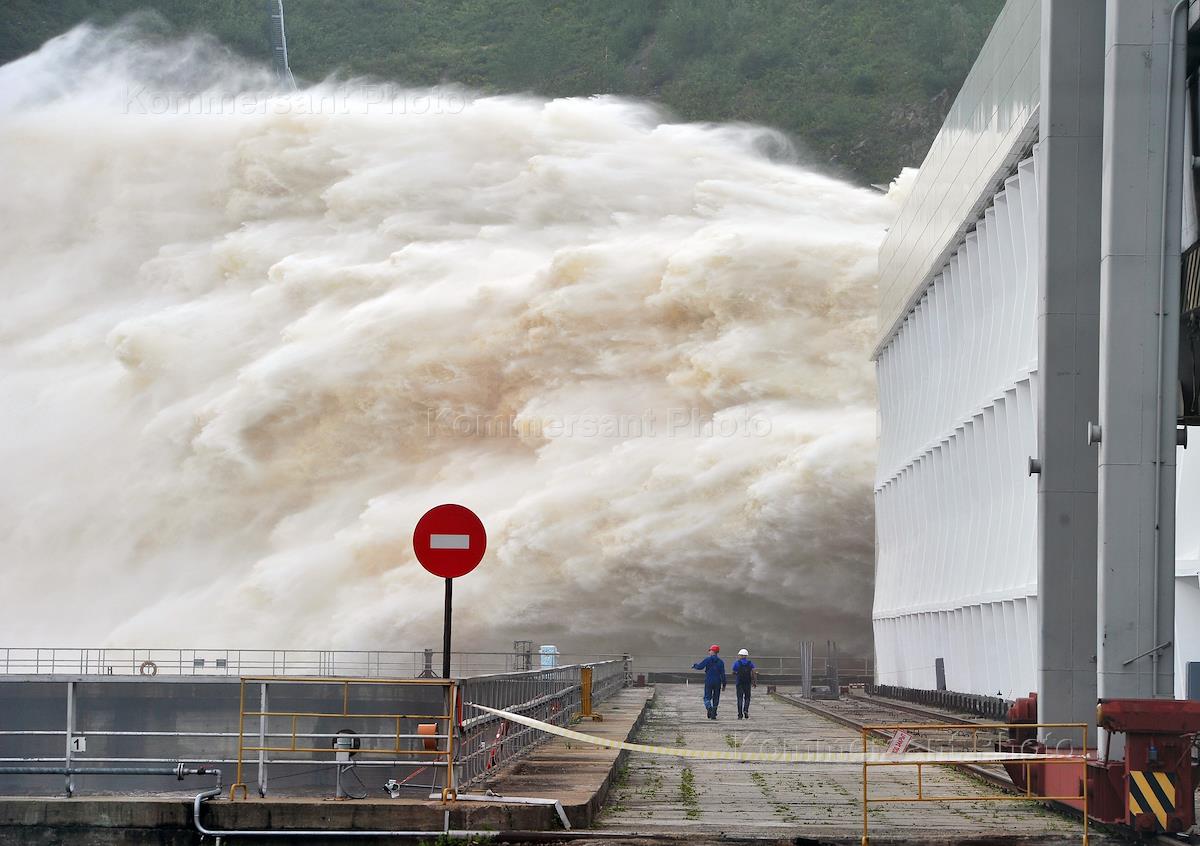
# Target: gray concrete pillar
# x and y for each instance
(1069, 150)
(1137, 382)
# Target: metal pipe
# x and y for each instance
(228, 734)
(179, 771)
(281, 761)
(1172, 167)
(228, 832)
(448, 617)
(54, 761)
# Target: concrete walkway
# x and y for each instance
(577, 775)
(665, 794)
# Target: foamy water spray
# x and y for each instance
(247, 340)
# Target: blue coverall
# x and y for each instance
(743, 678)
(714, 681)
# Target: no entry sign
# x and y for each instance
(449, 541)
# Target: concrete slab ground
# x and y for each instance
(578, 775)
(650, 799)
(661, 794)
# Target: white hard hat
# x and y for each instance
(743, 652)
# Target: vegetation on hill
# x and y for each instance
(862, 85)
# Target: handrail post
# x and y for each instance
(241, 737)
(70, 783)
(262, 740)
(1085, 784)
(866, 839)
(450, 791)
(585, 693)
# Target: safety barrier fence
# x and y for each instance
(403, 723)
(989, 707)
(1077, 757)
(365, 663)
(552, 696)
(280, 728)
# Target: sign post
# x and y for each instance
(449, 541)
(447, 620)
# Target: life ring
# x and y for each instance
(493, 753)
(148, 668)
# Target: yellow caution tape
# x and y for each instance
(777, 757)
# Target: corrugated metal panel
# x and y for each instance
(993, 119)
(956, 567)
(956, 516)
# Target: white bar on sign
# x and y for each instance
(449, 541)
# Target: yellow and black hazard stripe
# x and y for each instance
(1151, 793)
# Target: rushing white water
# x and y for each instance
(246, 341)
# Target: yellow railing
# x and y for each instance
(432, 750)
(1074, 758)
(586, 683)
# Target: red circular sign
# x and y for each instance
(449, 541)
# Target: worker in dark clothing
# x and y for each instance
(714, 679)
(745, 676)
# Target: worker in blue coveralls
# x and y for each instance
(745, 676)
(714, 679)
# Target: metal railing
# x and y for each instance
(990, 707)
(419, 737)
(361, 663)
(280, 733)
(608, 677)
(272, 662)
(553, 696)
(1074, 758)
(768, 665)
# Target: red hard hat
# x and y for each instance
(714, 648)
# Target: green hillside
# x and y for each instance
(862, 85)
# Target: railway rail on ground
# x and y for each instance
(859, 710)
